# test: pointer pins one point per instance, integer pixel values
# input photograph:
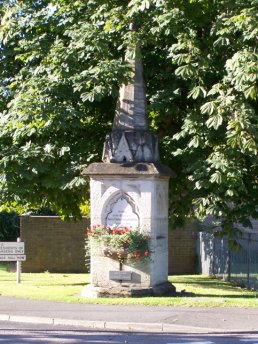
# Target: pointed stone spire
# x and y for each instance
(131, 105)
(131, 139)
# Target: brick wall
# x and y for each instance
(52, 244)
(58, 246)
(182, 250)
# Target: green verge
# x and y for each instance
(202, 291)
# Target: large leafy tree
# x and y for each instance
(61, 64)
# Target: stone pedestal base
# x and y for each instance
(163, 289)
(130, 195)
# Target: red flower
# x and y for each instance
(146, 253)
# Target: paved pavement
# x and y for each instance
(131, 318)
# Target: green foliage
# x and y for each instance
(42, 211)
(61, 63)
(49, 121)
(9, 226)
(85, 208)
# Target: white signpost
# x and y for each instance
(13, 252)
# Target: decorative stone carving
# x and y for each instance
(121, 211)
(123, 153)
(130, 146)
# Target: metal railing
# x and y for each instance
(216, 258)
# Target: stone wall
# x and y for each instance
(58, 246)
(52, 244)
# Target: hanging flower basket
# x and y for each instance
(112, 252)
(120, 243)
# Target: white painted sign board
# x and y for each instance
(13, 252)
(7, 248)
(12, 258)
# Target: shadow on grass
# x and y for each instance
(202, 283)
(42, 285)
(184, 294)
(74, 284)
(59, 284)
(228, 296)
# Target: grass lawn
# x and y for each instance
(201, 290)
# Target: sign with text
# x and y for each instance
(120, 275)
(10, 248)
(13, 252)
(122, 214)
(12, 257)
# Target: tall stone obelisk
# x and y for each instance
(130, 188)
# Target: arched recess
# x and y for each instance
(120, 210)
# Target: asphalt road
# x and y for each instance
(18, 333)
(116, 318)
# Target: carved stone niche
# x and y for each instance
(131, 146)
(121, 210)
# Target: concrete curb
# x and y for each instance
(108, 325)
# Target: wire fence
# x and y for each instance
(216, 258)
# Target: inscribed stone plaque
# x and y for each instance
(122, 214)
(120, 275)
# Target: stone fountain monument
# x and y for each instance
(130, 188)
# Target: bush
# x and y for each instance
(9, 226)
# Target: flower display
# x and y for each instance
(120, 242)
